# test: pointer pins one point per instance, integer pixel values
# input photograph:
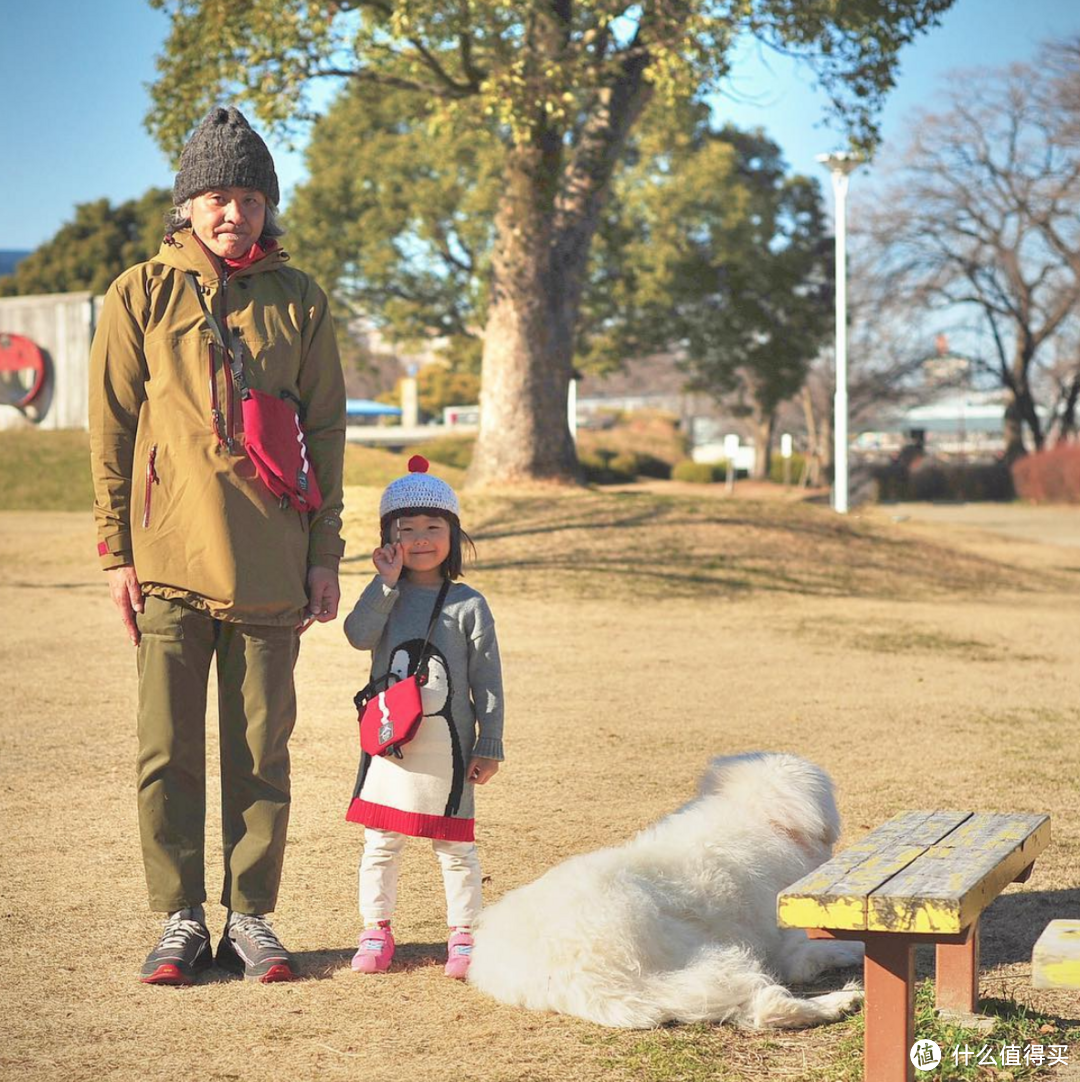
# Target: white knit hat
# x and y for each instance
(418, 489)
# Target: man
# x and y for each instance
(204, 560)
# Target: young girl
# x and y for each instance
(428, 792)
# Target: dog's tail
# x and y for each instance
(724, 984)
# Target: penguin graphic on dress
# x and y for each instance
(430, 776)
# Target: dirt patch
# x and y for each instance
(964, 698)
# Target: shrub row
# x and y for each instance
(928, 479)
(698, 473)
(776, 468)
(1051, 476)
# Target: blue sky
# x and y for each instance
(73, 97)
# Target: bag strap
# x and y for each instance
(191, 279)
(234, 357)
(368, 691)
(439, 601)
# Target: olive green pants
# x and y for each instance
(257, 710)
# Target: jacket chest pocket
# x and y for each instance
(271, 361)
(178, 390)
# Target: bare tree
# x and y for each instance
(1059, 383)
(984, 213)
(888, 345)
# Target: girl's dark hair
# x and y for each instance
(459, 539)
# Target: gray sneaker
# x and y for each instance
(249, 946)
(182, 952)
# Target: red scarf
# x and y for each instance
(252, 255)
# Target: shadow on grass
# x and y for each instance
(326, 964)
(1013, 922)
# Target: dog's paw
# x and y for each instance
(848, 999)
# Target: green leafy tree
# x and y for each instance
(560, 86)
(89, 252)
(397, 219)
(725, 257)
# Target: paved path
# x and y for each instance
(1056, 525)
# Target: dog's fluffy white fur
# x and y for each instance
(679, 923)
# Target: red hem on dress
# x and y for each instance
(417, 825)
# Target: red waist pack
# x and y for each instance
(275, 444)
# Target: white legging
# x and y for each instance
(381, 863)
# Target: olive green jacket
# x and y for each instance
(175, 493)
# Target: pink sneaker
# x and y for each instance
(376, 950)
(459, 954)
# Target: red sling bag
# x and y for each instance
(391, 717)
(273, 429)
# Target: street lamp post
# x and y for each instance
(841, 164)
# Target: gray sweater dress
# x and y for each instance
(425, 793)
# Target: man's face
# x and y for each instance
(228, 220)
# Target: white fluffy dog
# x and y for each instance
(679, 923)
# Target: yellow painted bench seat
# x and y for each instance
(924, 871)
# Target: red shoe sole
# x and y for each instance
(277, 973)
(167, 974)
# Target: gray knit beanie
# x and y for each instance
(224, 152)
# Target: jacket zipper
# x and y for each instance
(215, 413)
(223, 426)
(230, 420)
(151, 480)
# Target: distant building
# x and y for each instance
(958, 424)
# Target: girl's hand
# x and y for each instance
(482, 771)
(388, 561)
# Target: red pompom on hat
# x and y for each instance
(418, 489)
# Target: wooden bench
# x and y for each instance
(922, 877)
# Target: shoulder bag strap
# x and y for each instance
(439, 601)
(234, 357)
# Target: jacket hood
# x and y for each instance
(182, 251)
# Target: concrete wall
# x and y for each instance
(61, 325)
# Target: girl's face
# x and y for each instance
(425, 544)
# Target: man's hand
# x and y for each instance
(389, 561)
(127, 596)
(482, 771)
(324, 593)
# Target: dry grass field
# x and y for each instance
(643, 631)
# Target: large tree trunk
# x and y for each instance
(764, 423)
(544, 229)
(528, 349)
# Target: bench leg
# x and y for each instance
(958, 973)
(889, 974)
